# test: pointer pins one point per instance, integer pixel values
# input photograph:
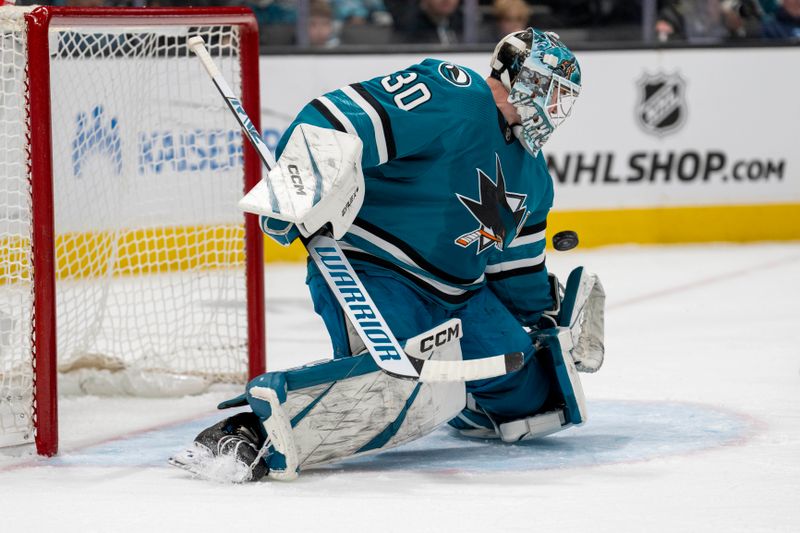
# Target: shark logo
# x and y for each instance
(500, 213)
(455, 74)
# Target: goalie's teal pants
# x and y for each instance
(488, 327)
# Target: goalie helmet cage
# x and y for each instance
(72, 139)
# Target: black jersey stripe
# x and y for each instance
(449, 298)
(413, 254)
(391, 148)
(325, 112)
(530, 230)
(505, 274)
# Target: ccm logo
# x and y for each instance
(297, 181)
(439, 338)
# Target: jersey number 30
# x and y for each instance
(409, 97)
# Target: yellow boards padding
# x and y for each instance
(668, 225)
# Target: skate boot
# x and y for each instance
(227, 451)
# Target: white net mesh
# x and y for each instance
(16, 290)
(149, 242)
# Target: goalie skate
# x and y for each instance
(227, 452)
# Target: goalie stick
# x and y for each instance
(365, 317)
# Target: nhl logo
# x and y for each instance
(662, 108)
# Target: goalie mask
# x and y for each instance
(543, 79)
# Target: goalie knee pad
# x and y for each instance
(576, 344)
(566, 406)
(570, 340)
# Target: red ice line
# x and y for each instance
(704, 282)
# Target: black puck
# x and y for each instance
(565, 240)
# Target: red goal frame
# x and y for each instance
(43, 337)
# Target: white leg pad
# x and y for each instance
(337, 409)
(583, 312)
(350, 417)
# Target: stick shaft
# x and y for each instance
(197, 46)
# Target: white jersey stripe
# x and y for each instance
(377, 125)
(441, 287)
(513, 265)
(382, 244)
(336, 112)
(393, 250)
(527, 239)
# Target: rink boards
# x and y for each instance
(664, 146)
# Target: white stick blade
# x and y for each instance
(472, 369)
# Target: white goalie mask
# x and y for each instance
(543, 79)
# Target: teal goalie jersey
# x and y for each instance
(452, 200)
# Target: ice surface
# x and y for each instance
(694, 425)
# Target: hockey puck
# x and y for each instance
(565, 240)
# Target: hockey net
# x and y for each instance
(147, 288)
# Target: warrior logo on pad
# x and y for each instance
(500, 213)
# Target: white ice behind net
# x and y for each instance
(149, 243)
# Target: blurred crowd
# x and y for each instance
(714, 20)
(330, 23)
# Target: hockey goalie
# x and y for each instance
(432, 184)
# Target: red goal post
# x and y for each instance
(37, 27)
